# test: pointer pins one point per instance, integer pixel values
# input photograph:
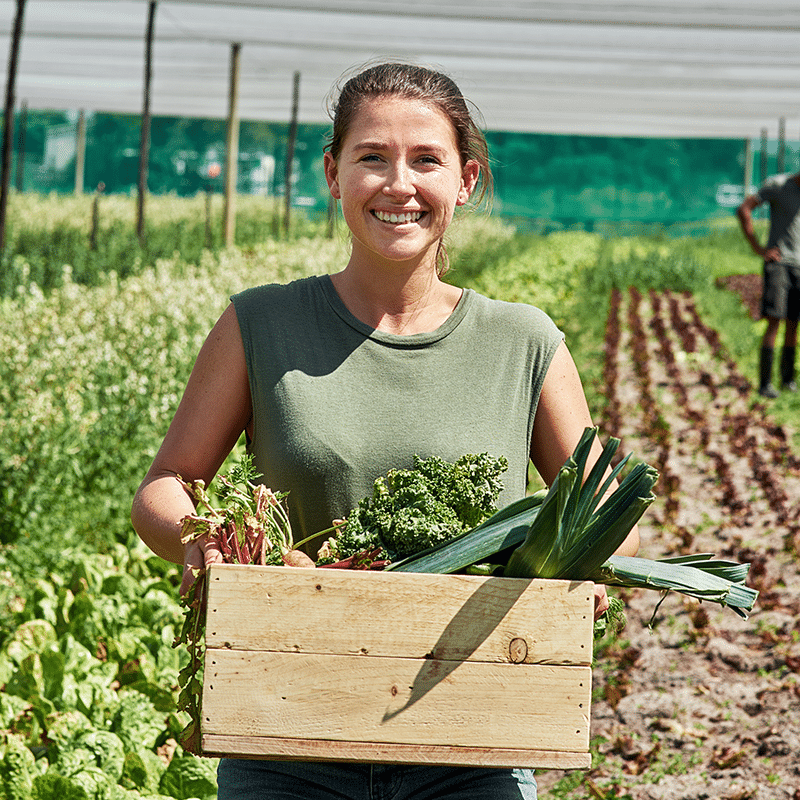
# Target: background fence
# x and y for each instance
(543, 182)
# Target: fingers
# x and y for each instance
(600, 600)
(197, 556)
(212, 552)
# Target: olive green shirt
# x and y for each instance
(336, 403)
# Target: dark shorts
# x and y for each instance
(241, 779)
(780, 297)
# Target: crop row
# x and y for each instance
(690, 396)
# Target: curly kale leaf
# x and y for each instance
(412, 510)
(470, 486)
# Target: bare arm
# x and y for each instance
(213, 412)
(744, 213)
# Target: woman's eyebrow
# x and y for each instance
(378, 145)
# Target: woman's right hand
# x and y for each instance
(198, 555)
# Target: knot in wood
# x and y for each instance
(518, 650)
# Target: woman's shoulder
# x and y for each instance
(271, 298)
(264, 291)
(505, 312)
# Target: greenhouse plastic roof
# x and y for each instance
(688, 68)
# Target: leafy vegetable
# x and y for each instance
(702, 578)
(413, 510)
(504, 530)
(252, 527)
(613, 619)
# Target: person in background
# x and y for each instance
(335, 379)
(780, 299)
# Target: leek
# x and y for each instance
(701, 578)
(566, 533)
(572, 536)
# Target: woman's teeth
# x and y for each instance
(398, 219)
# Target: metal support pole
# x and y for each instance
(144, 146)
(781, 165)
(232, 149)
(96, 216)
(764, 165)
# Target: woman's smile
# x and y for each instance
(399, 217)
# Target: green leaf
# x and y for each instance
(54, 786)
(645, 573)
(188, 777)
(17, 770)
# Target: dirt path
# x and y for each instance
(695, 702)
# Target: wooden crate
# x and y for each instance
(390, 667)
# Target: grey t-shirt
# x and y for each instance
(783, 195)
(336, 403)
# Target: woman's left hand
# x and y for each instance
(600, 600)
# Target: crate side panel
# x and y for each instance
(396, 700)
(265, 747)
(399, 614)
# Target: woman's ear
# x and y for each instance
(332, 175)
(469, 180)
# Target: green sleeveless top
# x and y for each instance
(337, 404)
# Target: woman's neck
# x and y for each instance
(396, 301)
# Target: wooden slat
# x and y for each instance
(306, 750)
(399, 614)
(396, 700)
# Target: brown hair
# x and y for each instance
(420, 83)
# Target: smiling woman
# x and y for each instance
(337, 379)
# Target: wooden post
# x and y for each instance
(95, 216)
(763, 155)
(80, 152)
(232, 148)
(8, 130)
(290, 151)
(781, 165)
(209, 237)
(144, 146)
(23, 128)
(747, 179)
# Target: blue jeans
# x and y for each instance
(244, 779)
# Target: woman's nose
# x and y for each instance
(399, 181)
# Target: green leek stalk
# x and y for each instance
(702, 578)
(573, 534)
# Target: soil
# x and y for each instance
(690, 700)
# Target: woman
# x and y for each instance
(338, 378)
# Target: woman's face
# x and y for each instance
(399, 177)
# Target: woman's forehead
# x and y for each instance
(387, 113)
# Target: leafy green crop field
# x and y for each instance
(95, 348)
